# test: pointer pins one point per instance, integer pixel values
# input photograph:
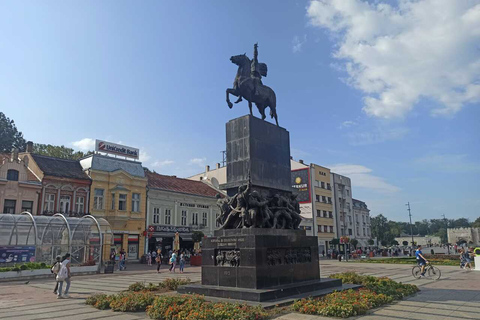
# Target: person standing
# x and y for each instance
(158, 260)
(149, 258)
(173, 261)
(182, 262)
(123, 256)
(55, 269)
(64, 275)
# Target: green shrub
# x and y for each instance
(131, 301)
(151, 287)
(99, 301)
(26, 266)
(137, 286)
(173, 284)
(23, 267)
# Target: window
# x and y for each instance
(80, 204)
(168, 216)
(331, 229)
(329, 199)
(64, 204)
(319, 228)
(319, 213)
(195, 219)
(317, 197)
(325, 228)
(323, 184)
(184, 217)
(9, 206)
(156, 215)
(329, 187)
(49, 202)
(317, 183)
(12, 175)
(348, 192)
(122, 202)
(324, 199)
(358, 231)
(113, 201)
(325, 214)
(27, 206)
(136, 202)
(349, 219)
(204, 219)
(364, 234)
(349, 232)
(330, 214)
(98, 199)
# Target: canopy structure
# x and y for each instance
(25, 237)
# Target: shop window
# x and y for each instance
(27, 206)
(156, 215)
(80, 205)
(168, 216)
(195, 219)
(132, 251)
(98, 199)
(49, 202)
(136, 202)
(204, 219)
(113, 201)
(122, 202)
(9, 206)
(12, 175)
(184, 217)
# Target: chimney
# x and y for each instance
(29, 147)
(14, 155)
(218, 165)
(301, 161)
(207, 168)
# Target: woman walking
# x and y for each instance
(173, 261)
(158, 260)
(64, 275)
(182, 262)
(55, 269)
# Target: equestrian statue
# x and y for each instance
(248, 85)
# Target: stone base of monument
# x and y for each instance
(260, 265)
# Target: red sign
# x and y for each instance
(151, 228)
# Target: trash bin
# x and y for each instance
(109, 266)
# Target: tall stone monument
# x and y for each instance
(259, 254)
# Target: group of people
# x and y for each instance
(174, 258)
(120, 257)
(61, 270)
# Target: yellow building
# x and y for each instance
(118, 194)
(323, 206)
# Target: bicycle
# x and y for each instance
(433, 272)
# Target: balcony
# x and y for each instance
(66, 214)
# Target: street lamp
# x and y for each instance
(411, 228)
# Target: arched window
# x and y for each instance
(12, 175)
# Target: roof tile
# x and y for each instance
(174, 184)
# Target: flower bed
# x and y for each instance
(376, 292)
(26, 266)
(124, 301)
(441, 261)
(170, 284)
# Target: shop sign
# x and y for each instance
(301, 183)
(173, 229)
(118, 149)
(17, 254)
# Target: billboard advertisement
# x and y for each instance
(117, 149)
(16, 254)
(301, 183)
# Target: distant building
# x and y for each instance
(343, 206)
(420, 240)
(178, 205)
(362, 224)
(19, 187)
(469, 236)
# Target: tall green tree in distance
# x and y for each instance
(10, 137)
(58, 151)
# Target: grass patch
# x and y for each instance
(412, 261)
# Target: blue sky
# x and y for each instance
(387, 94)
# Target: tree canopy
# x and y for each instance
(59, 151)
(10, 137)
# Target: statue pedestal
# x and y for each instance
(259, 265)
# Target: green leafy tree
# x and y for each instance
(460, 223)
(335, 241)
(354, 243)
(442, 233)
(476, 223)
(384, 243)
(405, 243)
(379, 226)
(370, 242)
(395, 243)
(197, 236)
(59, 151)
(10, 137)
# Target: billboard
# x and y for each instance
(301, 183)
(16, 254)
(118, 149)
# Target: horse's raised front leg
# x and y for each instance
(231, 91)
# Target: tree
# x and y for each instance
(58, 151)
(442, 233)
(395, 243)
(379, 226)
(197, 236)
(460, 223)
(476, 223)
(10, 137)
(384, 243)
(335, 241)
(405, 243)
(370, 242)
(354, 243)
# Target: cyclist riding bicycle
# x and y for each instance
(421, 261)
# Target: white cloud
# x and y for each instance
(347, 124)
(452, 163)
(378, 135)
(362, 178)
(297, 43)
(198, 161)
(144, 156)
(399, 54)
(86, 144)
(162, 163)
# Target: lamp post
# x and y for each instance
(411, 228)
(446, 230)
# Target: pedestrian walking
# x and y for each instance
(173, 262)
(123, 257)
(158, 260)
(149, 258)
(64, 275)
(55, 269)
(182, 262)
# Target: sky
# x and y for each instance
(385, 92)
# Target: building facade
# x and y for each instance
(323, 206)
(19, 187)
(118, 194)
(178, 205)
(343, 206)
(362, 224)
(65, 186)
(468, 236)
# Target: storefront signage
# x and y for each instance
(301, 183)
(118, 149)
(15, 254)
(173, 229)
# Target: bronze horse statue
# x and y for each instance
(245, 87)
